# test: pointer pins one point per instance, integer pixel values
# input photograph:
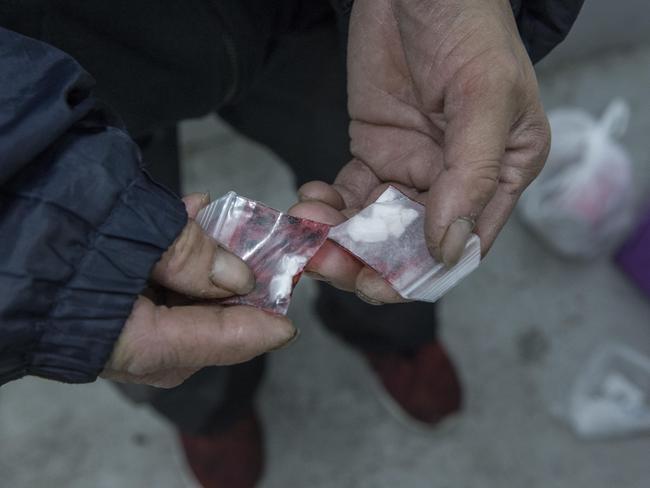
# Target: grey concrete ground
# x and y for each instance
(519, 328)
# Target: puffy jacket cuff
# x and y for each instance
(77, 339)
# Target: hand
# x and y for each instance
(162, 346)
(443, 100)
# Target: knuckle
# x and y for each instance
(543, 139)
(485, 171)
(539, 143)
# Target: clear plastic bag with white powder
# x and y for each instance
(275, 245)
(388, 236)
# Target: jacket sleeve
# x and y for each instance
(543, 24)
(81, 225)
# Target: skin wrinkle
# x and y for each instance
(129, 361)
(411, 180)
(416, 182)
(349, 185)
(357, 150)
(180, 252)
(402, 102)
(438, 52)
(389, 125)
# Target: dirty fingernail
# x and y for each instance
(231, 273)
(205, 198)
(453, 244)
(367, 299)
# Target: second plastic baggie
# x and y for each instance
(581, 203)
(388, 236)
(276, 246)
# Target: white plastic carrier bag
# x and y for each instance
(581, 205)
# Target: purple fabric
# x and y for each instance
(634, 256)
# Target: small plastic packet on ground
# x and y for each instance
(275, 245)
(611, 396)
(388, 236)
(581, 205)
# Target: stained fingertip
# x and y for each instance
(367, 299)
(371, 287)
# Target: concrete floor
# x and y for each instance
(520, 328)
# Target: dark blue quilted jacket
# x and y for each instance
(81, 224)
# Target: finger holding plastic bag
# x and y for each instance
(275, 245)
(387, 236)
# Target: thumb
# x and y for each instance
(195, 265)
(474, 146)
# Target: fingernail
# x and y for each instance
(293, 339)
(453, 244)
(316, 276)
(367, 299)
(205, 198)
(230, 273)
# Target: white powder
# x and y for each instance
(282, 283)
(381, 221)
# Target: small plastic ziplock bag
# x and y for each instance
(275, 245)
(388, 236)
(581, 204)
(611, 396)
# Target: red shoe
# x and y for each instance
(423, 386)
(229, 459)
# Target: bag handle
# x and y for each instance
(615, 118)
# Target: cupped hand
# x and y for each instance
(443, 100)
(163, 345)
